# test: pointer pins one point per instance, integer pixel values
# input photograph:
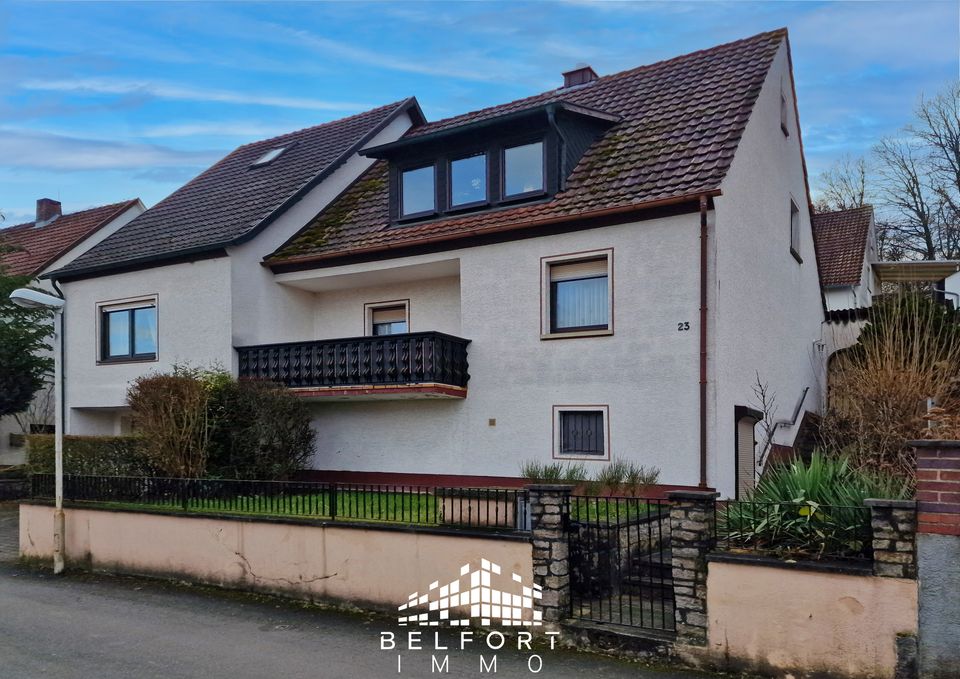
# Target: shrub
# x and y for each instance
(618, 476)
(260, 431)
(170, 412)
(907, 353)
(90, 455)
(809, 509)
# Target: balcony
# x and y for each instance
(387, 367)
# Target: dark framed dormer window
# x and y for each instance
(418, 191)
(468, 181)
(128, 331)
(523, 170)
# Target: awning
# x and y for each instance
(915, 272)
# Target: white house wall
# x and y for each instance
(646, 372)
(766, 310)
(193, 322)
(264, 312)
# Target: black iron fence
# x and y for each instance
(802, 530)
(409, 358)
(620, 561)
(480, 508)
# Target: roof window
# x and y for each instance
(268, 157)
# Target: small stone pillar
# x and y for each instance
(693, 520)
(549, 521)
(894, 527)
(938, 557)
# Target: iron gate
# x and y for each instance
(620, 568)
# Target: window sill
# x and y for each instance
(136, 359)
(582, 456)
(576, 333)
(796, 256)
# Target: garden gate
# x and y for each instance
(620, 567)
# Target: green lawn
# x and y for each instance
(613, 510)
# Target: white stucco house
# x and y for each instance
(599, 271)
(32, 249)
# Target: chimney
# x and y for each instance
(47, 210)
(580, 75)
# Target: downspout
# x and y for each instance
(63, 356)
(703, 341)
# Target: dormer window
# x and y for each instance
(418, 194)
(523, 170)
(468, 180)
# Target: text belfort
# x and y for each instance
(491, 643)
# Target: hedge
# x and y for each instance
(90, 455)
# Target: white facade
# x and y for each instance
(765, 314)
(41, 411)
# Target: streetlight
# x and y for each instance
(32, 299)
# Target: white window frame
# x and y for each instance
(370, 307)
(119, 305)
(545, 293)
(557, 430)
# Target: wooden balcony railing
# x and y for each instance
(407, 359)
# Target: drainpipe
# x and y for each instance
(562, 146)
(703, 341)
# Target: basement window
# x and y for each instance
(581, 432)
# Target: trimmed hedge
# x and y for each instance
(90, 455)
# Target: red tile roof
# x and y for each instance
(680, 123)
(232, 200)
(841, 240)
(37, 247)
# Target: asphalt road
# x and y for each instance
(101, 627)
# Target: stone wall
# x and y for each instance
(894, 527)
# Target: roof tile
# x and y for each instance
(680, 123)
(841, 240)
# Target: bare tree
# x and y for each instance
(910, 221)
(938, 127)
(843, 186)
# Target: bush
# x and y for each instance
(907, 353)
(259, 431)
(618, 476)
(809, 509)
(170, 412)
(90, 455)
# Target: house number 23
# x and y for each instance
(683, 327)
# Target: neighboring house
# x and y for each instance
(846, 243)
(50, 242)
(613, 264)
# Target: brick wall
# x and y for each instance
(938, 487)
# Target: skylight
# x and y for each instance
(269, 156)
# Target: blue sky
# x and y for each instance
(100, 102)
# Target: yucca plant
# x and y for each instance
(813, 510)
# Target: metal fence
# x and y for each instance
(620, 561)
(479, 508)
(804, 530)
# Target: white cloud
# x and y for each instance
(251, 130)
(42, 150)
(183, 93)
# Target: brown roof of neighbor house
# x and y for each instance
(234, 199)
(841, 240)
(679, 125)
(36, 247)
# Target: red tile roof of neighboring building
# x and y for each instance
(679, 125)
(841, 240)
(36, 247)
(235, 198)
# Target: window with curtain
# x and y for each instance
(579, 295)
(128, 332)
(391, 320)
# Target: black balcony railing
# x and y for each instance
(410, 358)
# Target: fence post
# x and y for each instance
(332, 500)
(692, 529)
(549, 523)
(938, 556)
(894, 527)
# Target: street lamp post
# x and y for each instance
(33, 299)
